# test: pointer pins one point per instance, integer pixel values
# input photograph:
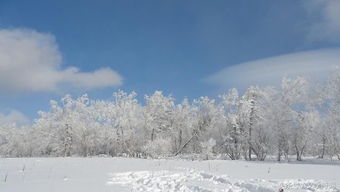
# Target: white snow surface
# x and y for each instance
(126, 174)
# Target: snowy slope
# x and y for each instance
(119, 174)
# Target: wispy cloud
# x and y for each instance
(326, 20)
(315, 65)
(15, 117)
(31, 61)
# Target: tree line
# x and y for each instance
(298, 119)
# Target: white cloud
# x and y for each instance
(13, 116)
(326, 20)
(31, 61)
(315, 65)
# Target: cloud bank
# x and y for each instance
(326, 20)
(314, 65)
(31, 61)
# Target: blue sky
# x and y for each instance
(185, 48)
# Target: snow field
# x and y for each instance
(121, 174)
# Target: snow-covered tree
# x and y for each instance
(283, 113)
(232, 141)
(306, 124)
(297, 119)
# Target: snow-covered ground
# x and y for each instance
(120, 174)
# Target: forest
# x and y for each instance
(298, 119)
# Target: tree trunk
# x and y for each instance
(249, 152)
(298, 154)
(323, 147)
(152, 134)
(279, 154)
(186, 143)
(251, 122)
(179, 139)
(67, 141)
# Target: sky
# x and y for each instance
(186, 48)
